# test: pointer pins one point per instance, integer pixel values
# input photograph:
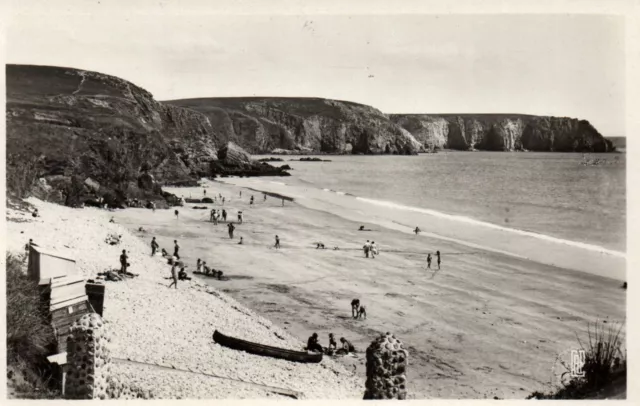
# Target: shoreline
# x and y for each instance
(473, 233)
(483, 311)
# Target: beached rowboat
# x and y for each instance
(265, 350)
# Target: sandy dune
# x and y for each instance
(485, 325)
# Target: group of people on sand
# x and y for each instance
(429, 260)
(370, 248)
(332, 349)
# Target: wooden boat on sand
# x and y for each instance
(265, 350)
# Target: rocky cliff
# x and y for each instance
(503, 132)
(66, 125)
(265, 124)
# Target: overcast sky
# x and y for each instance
(563, 65)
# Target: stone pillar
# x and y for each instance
(386, 369)
(88, 359)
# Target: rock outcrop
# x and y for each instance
(66, 125)
(303, 125)
(503, 132)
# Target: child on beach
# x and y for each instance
(362, 313)
(429, 261)
(174, 275)
(231, 228)
(176, 213)
(240, 243)
(239, 216)
(277, 242)
(123, 262)
(333, 345)
(374, 249)
(438, 257)
(417, 230)
(355, 306)
(176, 248)
(154, 246)
(224, 215)
(199, 265)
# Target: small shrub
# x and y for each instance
(604, 364)
(29, 335)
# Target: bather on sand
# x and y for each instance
(333, 345)
(231, 227)
(313, 344)
(154, 246)
(240, 242)
(347, 347)
(362, 313)
(123, 261)
(355, 306)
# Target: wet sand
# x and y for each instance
(487, 324)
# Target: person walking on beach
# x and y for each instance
(373, 249)
(438, 258)
(277, 242)
(205, 192)
(366, 247)
(176, 248)
(176, 213)
(224, 215)
(251, 200)
(174, 275)
(265, 197)
(199, 265)
(231, 228)
(239, 216)
(154, 246)
(211, 214)
(417, 230)
(123, 261)
(429, 261)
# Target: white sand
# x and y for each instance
(154, 324)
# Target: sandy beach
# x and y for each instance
(487, 324)
(160, 328)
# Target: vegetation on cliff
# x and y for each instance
(68, 127)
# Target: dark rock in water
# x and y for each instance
(207, 200)
(271, 159)
(286, 167)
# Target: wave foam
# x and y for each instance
(469, 220)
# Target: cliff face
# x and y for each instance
(261, 125)
(65, 125)
(503, 132)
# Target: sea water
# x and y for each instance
(549, 194)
